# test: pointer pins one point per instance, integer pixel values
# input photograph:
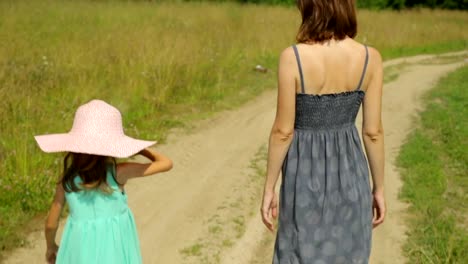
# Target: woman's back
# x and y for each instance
(326, 204)
(333, 67)
(325, 196)
(325, 193)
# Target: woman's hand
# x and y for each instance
(378, 208)
(269, 209)
(51, 254)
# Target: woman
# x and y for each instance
(327, 209)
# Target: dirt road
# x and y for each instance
(177, 213)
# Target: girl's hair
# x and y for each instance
(324, 20)
(92, 170)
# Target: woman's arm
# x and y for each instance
(128, 170)
(281, 134)
(373, 134)
(52, 222)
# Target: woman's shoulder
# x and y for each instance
(375, 60)
(300, 51)
(287, 53)
(287, 59)
(374, 54)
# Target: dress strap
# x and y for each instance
(365, 69)
(298, 59)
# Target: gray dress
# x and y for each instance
(325, 203)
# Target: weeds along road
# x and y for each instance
(173, 211)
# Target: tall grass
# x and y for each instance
(413, 32)
(435, 162)
(162, 65)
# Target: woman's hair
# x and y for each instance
(92, 170)
(324, 20)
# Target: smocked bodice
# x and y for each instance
(329, 111)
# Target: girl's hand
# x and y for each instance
(269, 209)
(51, 254)
(378, 208)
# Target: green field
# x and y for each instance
(435, 169)
(163, 65)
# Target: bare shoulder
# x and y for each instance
(374, 56)
(286, 60)
(120, 166)
(121, 170)
(287, 54)
(375, 62)
(59, 194)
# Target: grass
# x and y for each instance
(162, 64)
(413, 32)
(194, 250)
(435, 169)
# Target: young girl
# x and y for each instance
(100, 227)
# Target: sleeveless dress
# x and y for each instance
(100, 228)
(325, 214)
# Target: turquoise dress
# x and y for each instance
(100, 228)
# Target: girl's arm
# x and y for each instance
(128, 170)
(373, 135)
(52, 223)
(281, 134)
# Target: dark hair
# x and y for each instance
(324, 20)
(92, 170)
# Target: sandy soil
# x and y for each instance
(212, 168)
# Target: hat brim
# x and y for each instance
(112, 146)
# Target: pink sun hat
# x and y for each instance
(97, 129)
